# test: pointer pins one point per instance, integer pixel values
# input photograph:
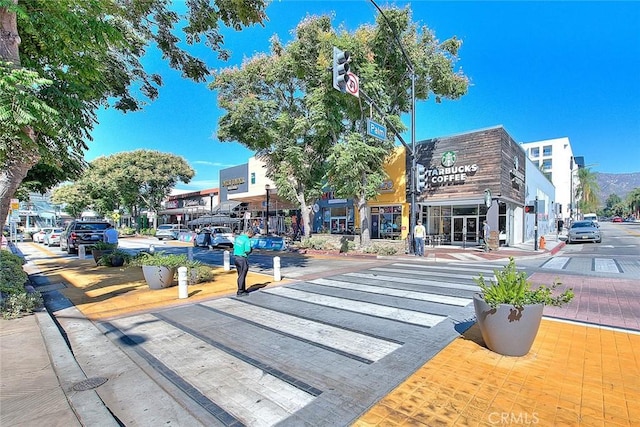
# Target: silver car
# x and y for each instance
(584, 231)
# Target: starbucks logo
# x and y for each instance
(449, 159)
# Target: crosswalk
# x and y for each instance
(312, 352)
(593, 264)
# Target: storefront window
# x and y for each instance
(337, 220)
(386, 222)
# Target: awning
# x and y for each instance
(226, 207)
(219, 219)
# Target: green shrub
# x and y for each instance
(12, 276)
(160, 259)
(14, 299)
(16, 305)
(317, 243)
(512, 287)
(384, 250)
(126, 231)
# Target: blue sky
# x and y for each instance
(543, 70)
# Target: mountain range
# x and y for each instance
(619, 184)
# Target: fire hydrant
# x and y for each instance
(543, 242)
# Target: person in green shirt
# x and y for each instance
(241, 251)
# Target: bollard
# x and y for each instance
(227, 262)
(190, 253)
(82, 252)
(276, 269)
(152, 249)
(183, 291)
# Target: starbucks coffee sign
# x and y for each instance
(450, 172)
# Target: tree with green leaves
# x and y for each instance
(133, 181)
(283, 105)
(73, 197)
(633, 201)
(587, 190)
(62, 60)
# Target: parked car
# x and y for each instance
(582, 231)
(52, 238)
(215, 237)
(616, 219)
(82, 233)
(38, 237)
(170, 231)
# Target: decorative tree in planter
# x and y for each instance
(509, 311)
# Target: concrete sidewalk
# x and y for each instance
(577, 373)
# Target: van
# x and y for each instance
(591, 217)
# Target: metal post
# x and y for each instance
(266, 224)
(535, 227)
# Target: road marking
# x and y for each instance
(605, 265)
(467, 257)
(380, 290)
(364, 346)
(425, 273)
(471, 288)
(488, 270)
(377, 310)
(241, 389)
(557, 263)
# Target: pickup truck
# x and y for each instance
(82, 233)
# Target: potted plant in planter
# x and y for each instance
(115, 258)
(509, 311)
(159, 268)
(198, 272)
(101, 248)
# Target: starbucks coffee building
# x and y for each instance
(471, 178)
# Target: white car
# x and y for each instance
(52, 238)
(38, 237)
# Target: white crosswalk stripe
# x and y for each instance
(413, 281)
(442, 299)
(467, 257)
(349, 342)
(605, 265)
(392, 313)
(237, 385)
(557, 263)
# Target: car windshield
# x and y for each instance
(165, 227)
(582, 224)
(222, 230)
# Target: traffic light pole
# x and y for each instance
(412, 208)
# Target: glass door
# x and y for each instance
(458, 228)
(465, 229)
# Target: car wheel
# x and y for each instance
(599, 241)
(71, 250)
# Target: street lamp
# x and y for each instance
(267, 187)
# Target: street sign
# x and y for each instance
(376, 130)
(353, 85)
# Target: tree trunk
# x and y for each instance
(365, 233)
(20, 157)
(305, 212)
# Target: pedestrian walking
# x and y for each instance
(241, 251)
(485, 235)
(111, 235)
(419, 234)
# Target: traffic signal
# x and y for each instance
(421, 178)
(529, 209)
(340, 69)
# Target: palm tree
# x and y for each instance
(587, 190)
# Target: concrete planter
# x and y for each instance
(158, 277)
(506, 329)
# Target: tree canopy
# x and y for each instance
(62, 60)
(132, 181)
(283, 104)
